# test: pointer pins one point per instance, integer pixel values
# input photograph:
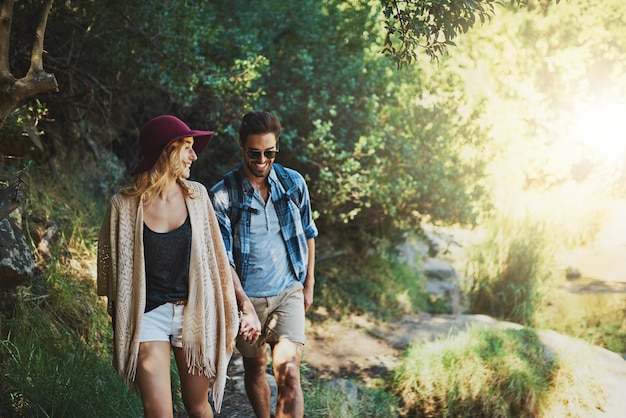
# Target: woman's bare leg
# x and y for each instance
(194, 387)
(153, 378)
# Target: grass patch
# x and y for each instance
(598, 319)
(55, 335)
(49, 371)
(491, 373)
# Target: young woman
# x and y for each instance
(164, 269)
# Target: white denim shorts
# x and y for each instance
(163, 323)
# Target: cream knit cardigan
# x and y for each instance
(210, 321)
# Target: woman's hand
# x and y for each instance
(249, 324)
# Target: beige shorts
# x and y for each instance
(282, 319)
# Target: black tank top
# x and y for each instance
(167, 264)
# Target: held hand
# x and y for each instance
(250, 326)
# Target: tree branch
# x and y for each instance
(36, 81)
(36, 56)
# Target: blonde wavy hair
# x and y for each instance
(152, 183)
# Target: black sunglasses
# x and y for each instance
(255, 154)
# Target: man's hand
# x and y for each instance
(309, 285)
(308, 297)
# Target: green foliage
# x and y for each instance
(422, 136)
(419, 24)
(416, 26)
(351, 124)
(376, 284)
(509, 272)
(46, 366)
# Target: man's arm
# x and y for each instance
(309, 283)
(249, 324)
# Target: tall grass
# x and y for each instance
(55, 333)
(47, 371)
(492, 373)
(481, 373)
(509, 273)
(54, 351)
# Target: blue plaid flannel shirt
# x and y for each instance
(296, 223)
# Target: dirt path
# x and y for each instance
(361, 348)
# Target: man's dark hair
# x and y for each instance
(259, 122)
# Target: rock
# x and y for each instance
(17, 262)
(443, 285)
(347, 387)
(439, 269)
(449, 292)
(572, 273)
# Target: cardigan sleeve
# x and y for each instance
(107, 253)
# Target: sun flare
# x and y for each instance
(601, 129)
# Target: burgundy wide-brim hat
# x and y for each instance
(161, 131)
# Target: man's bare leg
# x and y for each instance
(257, 388)
(286, 358)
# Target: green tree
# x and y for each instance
(415, 26)
(382, 148)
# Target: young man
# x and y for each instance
(265, 218)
